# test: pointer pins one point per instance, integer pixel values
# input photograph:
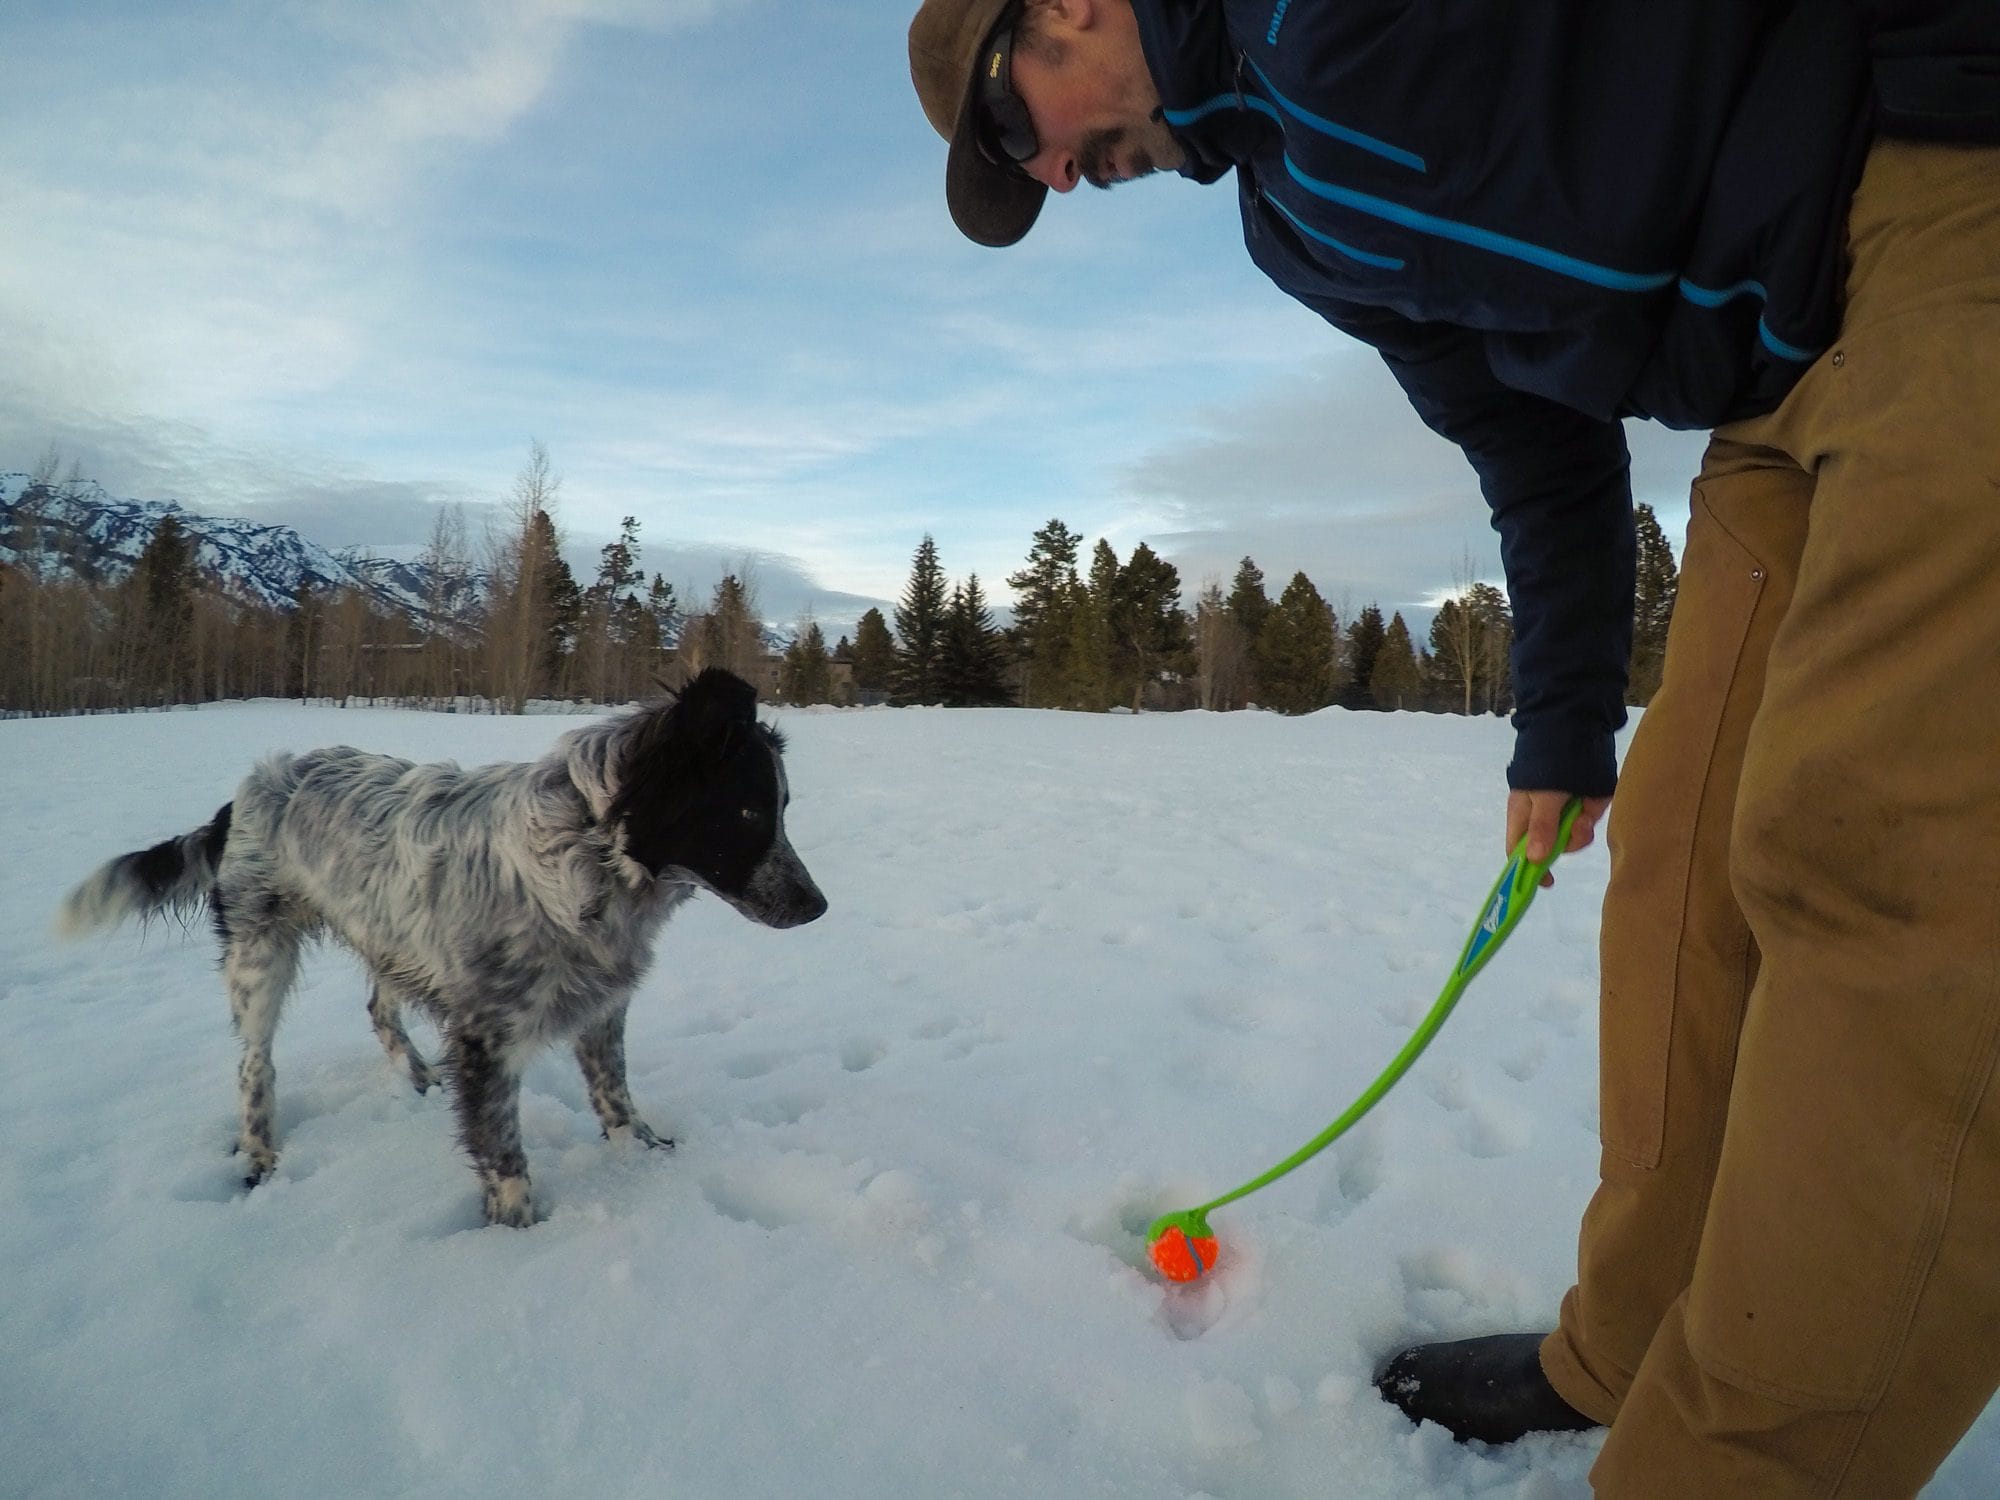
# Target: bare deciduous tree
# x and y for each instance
(519, 564)
(1222, 676)
(447, 565)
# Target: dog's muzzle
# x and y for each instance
(780, 893)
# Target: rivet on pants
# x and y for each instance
(1757, 574)
(1839, 358)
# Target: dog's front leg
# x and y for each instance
(600, 1052)
(486, 1092)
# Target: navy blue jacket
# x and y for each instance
(1548, 215)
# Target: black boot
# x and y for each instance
(1492, 1389)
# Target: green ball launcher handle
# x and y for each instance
(1500, 914)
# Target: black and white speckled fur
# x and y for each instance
(516, 904)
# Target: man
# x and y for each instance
(1781, 222)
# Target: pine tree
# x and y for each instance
(1103, 577)
(955, 650)
(988, 680)
(159, 616)
(605, 634)
(662, 605)
(618, 569)
(1148, 628)
(1087, 659)
(1040, 633)
(1297, 646)
(527, 637)
(1652, 606)
(1248, 608)
(559, 603)
(920, 629)
(970, 673)
(1364, 642)
(1248, 603)
(806, 675)
(1100, 587)
(874, 654)
(664, 610)
(1396, 681)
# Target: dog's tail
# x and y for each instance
(171, 876)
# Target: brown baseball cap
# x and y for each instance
(991, 204)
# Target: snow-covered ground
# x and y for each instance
(1077, 970)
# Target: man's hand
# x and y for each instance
(1539, 815)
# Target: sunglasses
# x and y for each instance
(1007, 134)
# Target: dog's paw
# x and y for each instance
(259, 1162)
(422, 1075)
(508, 1203)
(643, 1133)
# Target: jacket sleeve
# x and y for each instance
(1937, 68)
(1559, 486)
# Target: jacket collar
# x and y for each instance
(1192, 58)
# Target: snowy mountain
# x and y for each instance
(81, 531)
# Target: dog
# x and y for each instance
(517, 904)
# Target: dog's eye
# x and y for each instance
(751, 815)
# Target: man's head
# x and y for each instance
(1033, 95)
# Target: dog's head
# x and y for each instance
(700, 793)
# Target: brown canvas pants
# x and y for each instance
(1789, 1278)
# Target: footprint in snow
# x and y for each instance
(961, 1038)
(1566, 1007)
(1443, 1288)
(750, 1065)
(1524, 1064)
(1226, 1012)
(768, 1202)
(859, 1054)
(709, 1025)
(1483, 1128)
(781, 1110)
(1359, 1164)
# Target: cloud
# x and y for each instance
(336, 265)
(269, 172)
(784, 590)
(1331, 473)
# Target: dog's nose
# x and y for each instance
(809, 910)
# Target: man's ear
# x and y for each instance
(1078, 15)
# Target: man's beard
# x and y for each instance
(1094, 158)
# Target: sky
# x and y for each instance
(336, 265)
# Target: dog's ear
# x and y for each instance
(713, 708)
(698, 725)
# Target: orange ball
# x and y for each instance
(1179, 1258)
